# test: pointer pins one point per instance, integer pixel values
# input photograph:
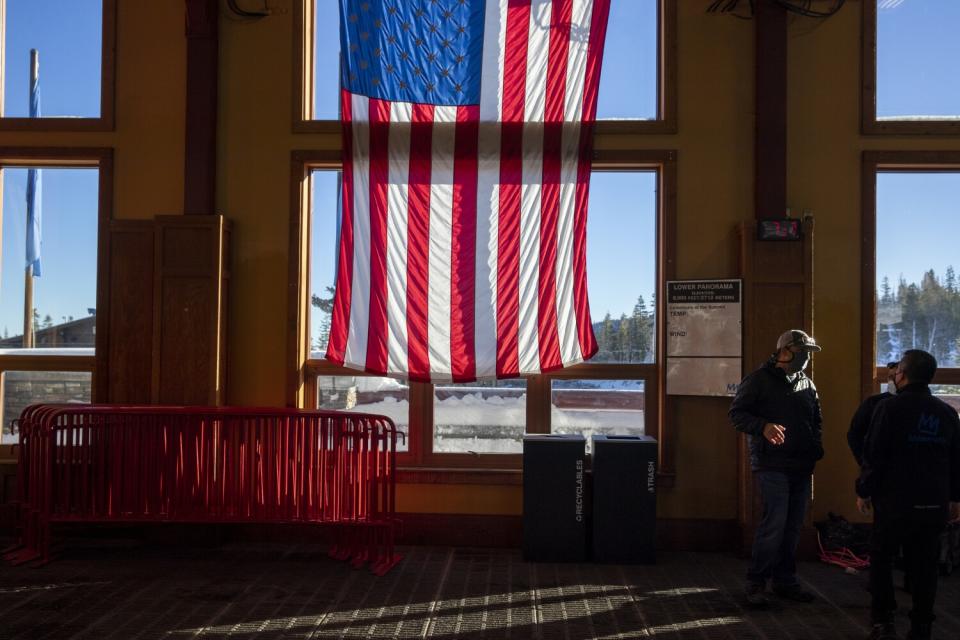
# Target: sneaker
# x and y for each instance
(756, 597)
(885, 631)
(794, 592)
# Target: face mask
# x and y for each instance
(891, 387)
(799, 362)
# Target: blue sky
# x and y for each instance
(918, 223)
(918, 50)
(917, 53)
(67, 34)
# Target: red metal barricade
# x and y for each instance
(99, 463)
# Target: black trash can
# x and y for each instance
(624, 499)
(554, 498)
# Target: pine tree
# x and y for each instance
(643, 331)
(605, 341)
(910, 316)
(926, 316)
(325, 305)
(623, 340)
(886, 292)
(884, 344)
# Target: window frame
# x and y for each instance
(57, 157)
(108, 49)
(869, 125)
(874, 162)
(665, 122)
(420, 462)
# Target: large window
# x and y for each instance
(20, 389)
(481, 424)
(597, 407)
(52, 216)
(910, 55)
(479, 417)
(637, 83)
(621, 275)
(68, 47)
(910, 227)
(918, 294)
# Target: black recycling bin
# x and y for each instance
(624, 499)
(554, 498)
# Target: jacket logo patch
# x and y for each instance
(928, 425)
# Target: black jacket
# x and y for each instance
(860, 424)
(912, 462)
(767, 395)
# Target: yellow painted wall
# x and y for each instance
(150, 96)
(715, 170)
(824, 147)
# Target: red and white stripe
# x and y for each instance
(463, 239)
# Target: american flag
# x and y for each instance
(467, 136)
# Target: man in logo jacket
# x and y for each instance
(911, 479)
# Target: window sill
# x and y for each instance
(490, 477)
(439, 475)
(56, 124)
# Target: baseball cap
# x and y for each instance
(797, 338)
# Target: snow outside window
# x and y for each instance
(23, 388)
(597, 407)
(367, 394)
(479, 417)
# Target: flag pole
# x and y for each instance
(28, 341)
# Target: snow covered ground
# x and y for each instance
(480, 420)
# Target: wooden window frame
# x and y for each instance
(108, 54)
(665, 122)
(874, 162)
(420, 460)
(56, 157)
(869, 125)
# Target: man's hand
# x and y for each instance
(864, 505)
(775, 434)
(955, 512)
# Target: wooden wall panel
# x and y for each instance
(185, 360)
(190, 302)
(130, 342)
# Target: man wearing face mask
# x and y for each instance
(860, 424)
(910, 477)
(777, 406)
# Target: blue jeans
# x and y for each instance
(785, 496)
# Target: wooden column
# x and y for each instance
(777, 276)
(770, 140)
(200, 151)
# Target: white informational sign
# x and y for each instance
(704, 337)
